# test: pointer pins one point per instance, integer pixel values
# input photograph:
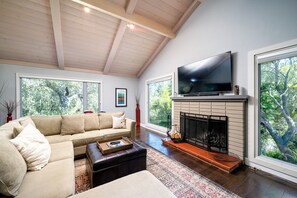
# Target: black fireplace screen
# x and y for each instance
(205, 131)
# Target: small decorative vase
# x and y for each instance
(236, 90)
(137, 115)
(9, 117)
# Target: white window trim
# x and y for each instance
(42, 76)
(276, 167)
(148, 125)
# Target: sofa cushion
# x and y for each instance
(105, 119)
(72, 124)
(58, 138)
(48, 125)
(25, 121)
(86, 138)
(91, 121)
(7, 130)
(108, 134)
(56, 179)
(33, 146)
(61, 150)
(118, 122)
(12, 167)
(141, 184)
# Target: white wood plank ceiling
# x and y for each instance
(60, 34)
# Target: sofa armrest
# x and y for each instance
(130, 125)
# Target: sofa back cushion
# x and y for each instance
(72, 124)
(105, 119)
(12, 165)
(91, 121)
(24, 121)
(48, 125)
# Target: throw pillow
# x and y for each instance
(12, 168)
(72, 124)
(91, 121)
(33, 146)
(26, 120)
(16, 125)
(17, 130)
(105, 119)
(119, 123)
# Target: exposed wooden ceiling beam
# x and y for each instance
(114, 10)
(131, 6)
(119, 36)
(175, 29)
(115, 46)
(56, 20)
(186, 15)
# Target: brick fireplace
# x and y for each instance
(232, 107)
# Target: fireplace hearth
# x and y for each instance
(209, 132)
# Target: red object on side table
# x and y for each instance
(9, 117)
(137, 115)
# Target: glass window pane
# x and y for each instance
(159, 101)
(93, 96)
(50, 97)
(278, 109)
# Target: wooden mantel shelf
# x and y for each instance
(233, 98)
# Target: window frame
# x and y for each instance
(50, 77)
(273, 166)
(148, 125)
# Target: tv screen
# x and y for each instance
(209, 76)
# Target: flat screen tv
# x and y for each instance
(206, 77)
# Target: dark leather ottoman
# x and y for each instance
(105, 168)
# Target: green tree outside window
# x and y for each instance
(57, 97)
(160, 102)
(278, 109)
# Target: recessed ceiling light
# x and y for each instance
(87, 10)
(131, 26)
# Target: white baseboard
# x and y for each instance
(154, 130)
(270, 171)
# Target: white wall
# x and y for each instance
(217, 26)
(109, 83)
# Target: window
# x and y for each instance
(272, 109)
(278, 109)
(159, 104)
(42, 96)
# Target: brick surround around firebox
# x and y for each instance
(234, 107)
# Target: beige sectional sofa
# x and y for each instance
(83, 129)
(68, 136)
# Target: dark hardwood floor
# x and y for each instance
(244, 181)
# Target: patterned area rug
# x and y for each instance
(179, 179)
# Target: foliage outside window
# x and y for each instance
(278, 109)
(57, 97)
(159, 102)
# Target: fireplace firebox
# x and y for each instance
(208, 132)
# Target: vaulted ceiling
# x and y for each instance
(116, 37)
